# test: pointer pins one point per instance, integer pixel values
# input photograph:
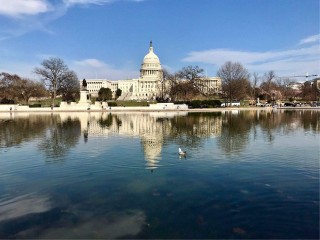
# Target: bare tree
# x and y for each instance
(70, 89)
(283, 87)
(7, 85)
(268, 84)
(183, 90)
(310, 91)
(166, 83)
(254, 81)
(55, 74)
(13, 86)
(193, 74)
(234, 79)
(26, 88)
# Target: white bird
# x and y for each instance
(182, 153)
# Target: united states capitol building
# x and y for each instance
(148, 85)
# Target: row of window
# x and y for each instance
(94, 83)
(151, 65)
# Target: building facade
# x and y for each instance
(148, 85)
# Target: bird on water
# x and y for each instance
(182, 153)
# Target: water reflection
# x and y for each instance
(60, 132)
(23, 205)
(62, 135)
(112, 226)
(243, 172)
(16, 129)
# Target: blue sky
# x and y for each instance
(109, 38)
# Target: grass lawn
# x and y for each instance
(45, 102)
(134, 103)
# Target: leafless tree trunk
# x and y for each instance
(255, 81)
(268, 84)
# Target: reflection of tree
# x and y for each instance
(288, 121)
(16, 131)
(105, 122)
(306, 119)
(118, 121)
(269, 121)
(61, 137)
(190, 131)
(235, 131)
(311, 120)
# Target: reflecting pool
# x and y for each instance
(246, 174)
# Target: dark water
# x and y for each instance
(247, 174)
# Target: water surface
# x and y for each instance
(247, 174)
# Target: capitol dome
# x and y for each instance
(150, 66)
(151, 57)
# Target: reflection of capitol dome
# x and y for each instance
(152, 149)
(150, 66)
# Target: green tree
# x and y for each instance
(105, 94)
(118, 93)
(56, 76)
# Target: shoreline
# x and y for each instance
(138, 109)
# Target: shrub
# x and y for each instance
(35, 105)
(7, 101)
(201, 103)
(112, 104)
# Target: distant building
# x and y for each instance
(295, 85)
(317, 83)
(148, 85)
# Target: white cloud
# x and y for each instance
(94, 68)
(94, 63)
(69, 3)
(17, 8)
(311, 39)
(25, 16)
(299, 60)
